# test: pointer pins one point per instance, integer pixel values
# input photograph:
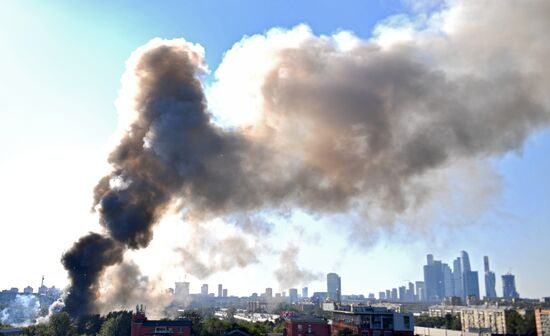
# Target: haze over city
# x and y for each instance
(265, 144)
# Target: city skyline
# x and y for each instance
(59, 135)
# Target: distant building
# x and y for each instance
(181, 290)
(509, 286)
(470, 279)
(334, 287)
(457, 278)
(371, 296)
(293, 295)
(388, 294)
(420, 291)
(490, 280)
(403, 294)
(225, 292)
(382, 296)
(141, 326)
(27, 290)
(442, 310)
(220, 290)
(269, 293)
(542, 320)
(310, 326)
(305, 292)
(368, 320)
(483, 320)
(394, 295)
(433, 279)
(204, 290)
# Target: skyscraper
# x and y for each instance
(403, 294)
(334, 287)
(433, 280)
(293, 294)
(457, 278)
(420, 291)
(181, 291)
(448, 281)
(269, 293)
(490, 280)
(381, 296)
(305, 292)
(220, 290)
(225, 292)
(204, 290)
(410, 292)
(470, 279)
(394, 295)
(509, 286)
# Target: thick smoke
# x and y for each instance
(333, 124)
(22, 311)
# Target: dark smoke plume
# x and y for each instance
(340, 126)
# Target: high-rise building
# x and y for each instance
(457, 278)
(334, 287)
(410, 292)
(394, 295)
(509, 286)
(204, 290)
(220, 290)
(305, 293)
(225, 292)
(470, 279)
(388, 294)
(403, 294)
(181, 290)
(269, 293)
(448, 281)
(434, 280)
(293, 294)
(382, 296)
(420, 291)
(490, 280)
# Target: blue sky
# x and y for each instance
(61, 64)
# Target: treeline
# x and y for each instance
(449, 321)
(119, 323)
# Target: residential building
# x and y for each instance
(542, 321)
(382, 296)
(483, 320)
(220, 290)
(269, 293)
(204, 290)
(225, 292)
(371, 321)
(305, 293)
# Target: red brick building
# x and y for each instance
(306, 326)
(141, 326)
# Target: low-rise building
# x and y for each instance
(371, 321)
(306, 326)
(141, 326)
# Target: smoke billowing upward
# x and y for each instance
(338, 124)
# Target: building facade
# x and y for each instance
(490, 280)
(370, 321)
(141, 326)
(306, 326)
(483, 320)
(542, 320)
(334, 287)
(509, 286)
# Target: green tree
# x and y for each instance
(61, 325)
(117, 323)
(88, 324)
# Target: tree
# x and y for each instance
(117, 323)
(60, 325)
(88, 324)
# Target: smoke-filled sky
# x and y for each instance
(275, 142)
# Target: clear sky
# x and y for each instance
(60, 69)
